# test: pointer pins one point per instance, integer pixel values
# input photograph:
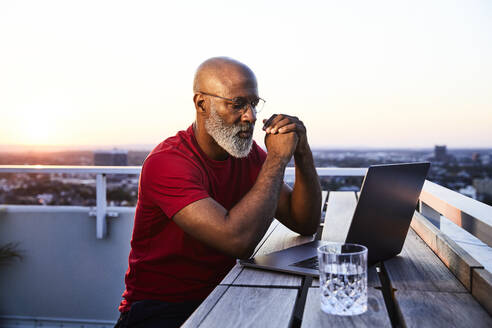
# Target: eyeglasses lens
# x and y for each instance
(241, 103)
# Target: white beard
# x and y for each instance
(226, 135)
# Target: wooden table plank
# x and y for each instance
(482, 288)
(339, 213)
(376, 315)
(252, 307)
(207, 305)
(440, 309)
(232, 275)
(418, 268)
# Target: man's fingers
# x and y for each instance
(275, 126)
(278, 121)
(274, 123)
(267, 122)
(288, 128)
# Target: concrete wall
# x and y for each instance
(66, 272)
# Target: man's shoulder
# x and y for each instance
(179, 143)
(174, 151)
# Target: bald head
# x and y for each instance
(223, 76)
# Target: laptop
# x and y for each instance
(387, 202)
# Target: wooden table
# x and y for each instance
(430, 284)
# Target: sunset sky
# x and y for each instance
(358, 73)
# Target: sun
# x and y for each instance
(39, 125)
(39, 132)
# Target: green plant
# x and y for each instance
(9, 252)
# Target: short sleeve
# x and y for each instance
(172, 181)
(261, 154)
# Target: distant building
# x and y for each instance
(483, 186)
(440, 153)
(486, 159)
(463, 174)
(113, 157)
(476, 157)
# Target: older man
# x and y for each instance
(208, 195)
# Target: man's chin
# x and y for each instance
(244, 151)
(240, 155)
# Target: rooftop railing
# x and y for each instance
(469, 214)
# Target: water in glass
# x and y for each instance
(343, 279)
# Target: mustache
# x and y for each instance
(245, 127)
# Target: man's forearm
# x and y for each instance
(306, 194)
(253, 214)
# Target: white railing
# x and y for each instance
(100, 211)
(468, 213)
(435, 200)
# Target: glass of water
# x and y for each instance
(343, 278)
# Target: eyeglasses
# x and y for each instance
(240, 104)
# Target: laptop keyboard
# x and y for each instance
(310, 263)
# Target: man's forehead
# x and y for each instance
(235, 84)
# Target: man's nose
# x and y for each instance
(249, 114)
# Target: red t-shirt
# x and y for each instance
(165, 263)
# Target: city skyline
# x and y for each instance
(149, 147)
(107, 74)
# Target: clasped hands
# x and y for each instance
(285, 135)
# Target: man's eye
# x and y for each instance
(239, 103)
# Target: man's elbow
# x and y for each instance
(309, 229)
(245, 255)
(239, 248)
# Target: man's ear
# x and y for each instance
(199, 103)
